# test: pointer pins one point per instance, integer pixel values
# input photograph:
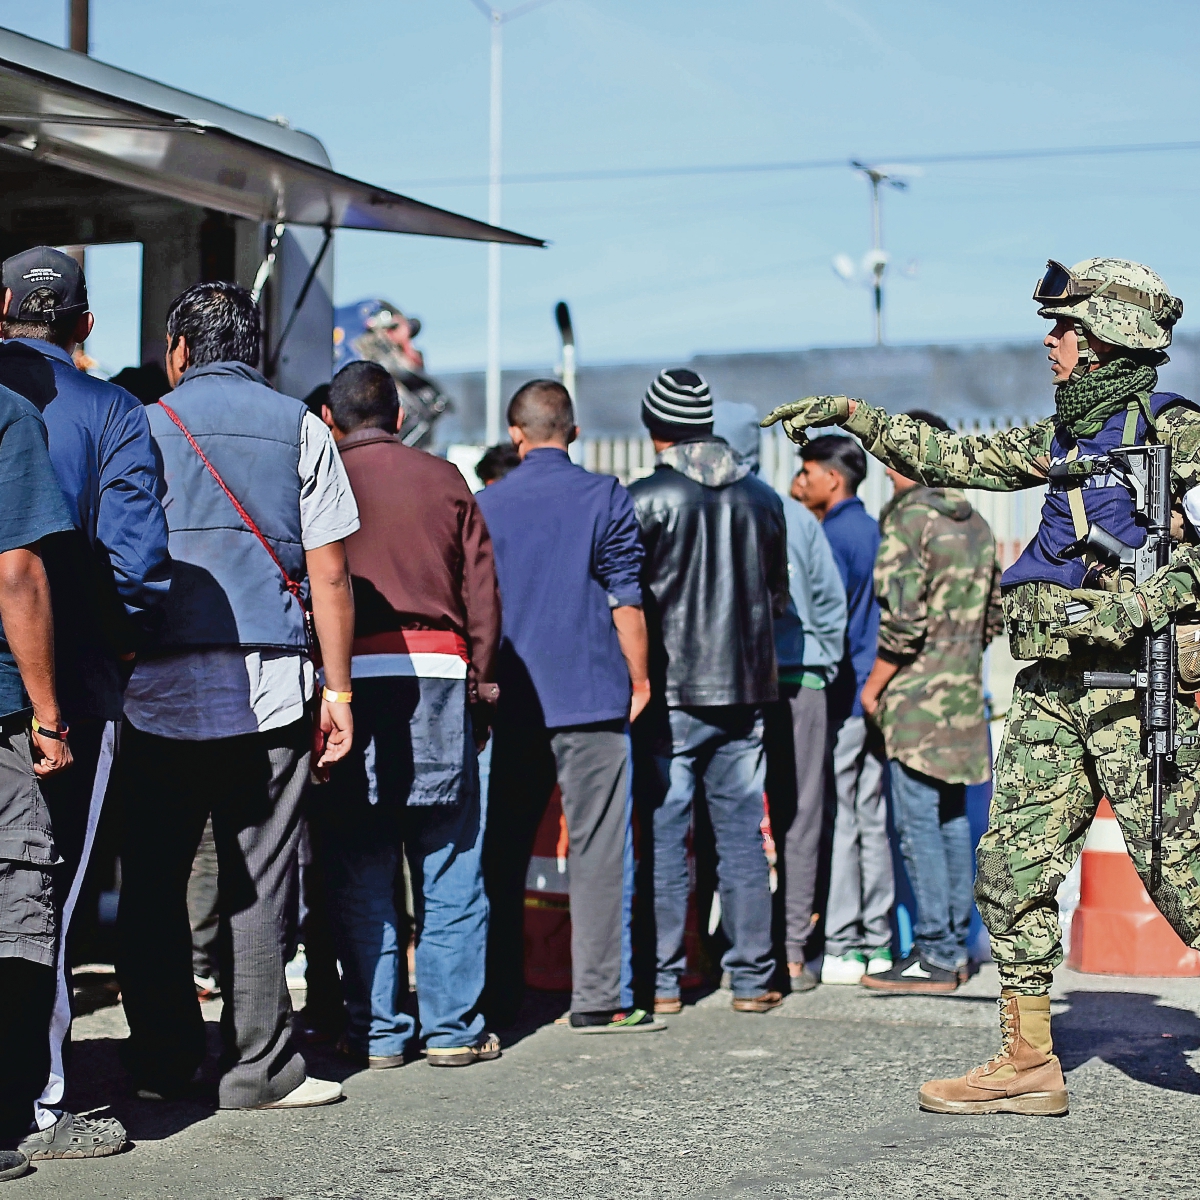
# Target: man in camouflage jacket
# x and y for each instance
(1065, 745)
(938, 585)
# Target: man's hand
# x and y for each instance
(640, 698)
(809, 412)
(50, 755)
(1105, 619)
(882, 673)
(869, 699)
(336, 726)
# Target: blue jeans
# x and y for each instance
(364, 818)
(935, 840)
(722, 747)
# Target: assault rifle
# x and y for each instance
(1146, 471)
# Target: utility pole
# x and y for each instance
(496, 19)
(77, 26)
(876, 260)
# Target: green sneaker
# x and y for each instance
(880, 961)
(846, 968)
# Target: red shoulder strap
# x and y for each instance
(288, 582)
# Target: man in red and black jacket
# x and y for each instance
(427, 624)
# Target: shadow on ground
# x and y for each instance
(1147, 1041)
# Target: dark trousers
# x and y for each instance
(26, 1000)
(796, 734)
(252, 787)
(591, 766)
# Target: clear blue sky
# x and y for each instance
(663, 268)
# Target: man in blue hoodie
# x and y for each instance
(108, 576)
(861, 886)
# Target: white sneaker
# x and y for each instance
(310, 1094)
(848, 968)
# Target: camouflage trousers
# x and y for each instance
(1064, 747)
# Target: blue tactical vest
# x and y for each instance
(1106, 501)
(225, 590)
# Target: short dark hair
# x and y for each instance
(363, 395)
(923, 414)
(41, 300)
(496, 462)
(220, 321)
(838, 453)
(542, 410)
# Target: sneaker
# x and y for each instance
(667, 1005)
(207, 988)
(636, 1020)
(483, 1049)
(913, 974)
(879, 962)
(848, 968)
(803, 978)
(75, 1137)
(13, 1164)
(761, 1003)
(312, 1093)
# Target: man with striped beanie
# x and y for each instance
(715, 574)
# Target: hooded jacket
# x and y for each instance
(714, 578)
(937, 580)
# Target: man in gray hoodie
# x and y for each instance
(809, 641)
(713, 579)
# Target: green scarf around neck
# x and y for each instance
(1083, 405)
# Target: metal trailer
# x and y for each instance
(90, 154)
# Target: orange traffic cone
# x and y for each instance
(1116, 929)
(548, 905)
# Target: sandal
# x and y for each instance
(75, 1137)
(483, 1049)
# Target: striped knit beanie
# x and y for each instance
(677, 405)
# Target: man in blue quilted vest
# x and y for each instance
(1066, 745)
(219, 715)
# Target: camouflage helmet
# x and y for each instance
(1117, 301)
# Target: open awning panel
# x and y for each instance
(178, 147)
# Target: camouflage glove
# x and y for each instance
(1106, 619)
(811, 411)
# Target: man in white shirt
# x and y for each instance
(217, 718)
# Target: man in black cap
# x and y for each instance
(108, 574)
(715, 575)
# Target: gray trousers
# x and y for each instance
(797, 739)
(252, 786)
(591, 766)
(861, 885)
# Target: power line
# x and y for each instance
(811, 164)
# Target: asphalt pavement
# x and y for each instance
(817, 1099)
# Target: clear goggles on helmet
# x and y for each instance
(1060, 285)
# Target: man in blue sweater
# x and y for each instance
(861, 886)
(573, 673)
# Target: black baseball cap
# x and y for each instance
(43, 267)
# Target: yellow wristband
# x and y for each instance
(336, 697)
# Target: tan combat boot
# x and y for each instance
(1025, 1077)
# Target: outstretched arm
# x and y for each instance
(1006, 461)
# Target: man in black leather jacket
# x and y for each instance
(715, 576)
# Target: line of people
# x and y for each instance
(283, 627)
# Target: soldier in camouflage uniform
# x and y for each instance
(937, 580)
(1065, 746)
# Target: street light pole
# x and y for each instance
(493, 313)
(496, 19)
(879, 260)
